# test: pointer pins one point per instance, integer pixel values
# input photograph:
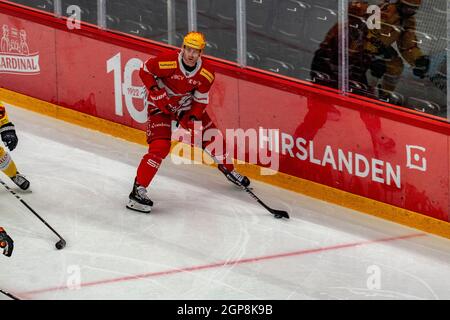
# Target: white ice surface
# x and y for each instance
(200, 223)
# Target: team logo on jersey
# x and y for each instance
(208, 75)
(15, 56)
(194, 82)
(177, 77)
(167, 64)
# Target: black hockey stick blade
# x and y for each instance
(9, 295)
(61, 243)
(279, 214)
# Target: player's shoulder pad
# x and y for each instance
(168, 61)
(207, 72)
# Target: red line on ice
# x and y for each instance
(225, 263)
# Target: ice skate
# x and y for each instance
(234, 177)
(21, 181)
(139, 200)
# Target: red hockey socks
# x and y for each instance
(157, 151)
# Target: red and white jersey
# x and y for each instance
(192, 87)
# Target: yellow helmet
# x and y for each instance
(195, 40)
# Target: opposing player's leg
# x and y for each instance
(8, 167)
(224, 161)
(158, 138)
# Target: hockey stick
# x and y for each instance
(277, 213)
(9, 295)
(61, 243)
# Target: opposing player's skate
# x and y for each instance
(234, 176)
(139, 200)
(21, 181)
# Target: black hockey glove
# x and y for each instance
(6, 243)
(422, 66)
(9, 137)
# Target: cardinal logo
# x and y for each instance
(15, 56)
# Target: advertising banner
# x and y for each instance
(332, 140)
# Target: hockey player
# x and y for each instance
(399, 27)
(178, 85)
(6, 243)
(9, 138)
(382, 51)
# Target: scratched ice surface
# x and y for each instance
(205, 238)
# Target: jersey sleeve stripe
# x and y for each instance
(201, 97)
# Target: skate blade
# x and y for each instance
(135, 206)
(21, 191)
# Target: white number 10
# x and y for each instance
(126, 88)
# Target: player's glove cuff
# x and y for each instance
(7, 127)
(8, 135)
